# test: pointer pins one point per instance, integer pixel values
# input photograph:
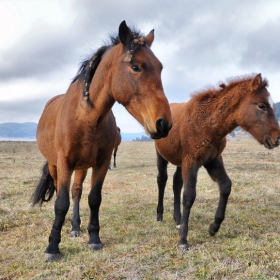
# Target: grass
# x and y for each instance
(136, 246)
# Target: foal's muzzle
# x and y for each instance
(269, 145)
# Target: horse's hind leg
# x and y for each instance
(177, 187)
(61, 207)
(218, 173)
(161, 181)
(77, 190)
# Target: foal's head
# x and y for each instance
(136, 82)
(257, 114)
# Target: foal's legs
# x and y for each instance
(61, 206)
(189, 194)
(217, 172)
(94, 201)
(77, 190)
(161, 181)
(177, 187)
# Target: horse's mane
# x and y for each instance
(89, 66)
(212, 91)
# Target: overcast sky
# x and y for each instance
(199, 43)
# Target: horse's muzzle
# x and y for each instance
(162, 127)
(270, 145)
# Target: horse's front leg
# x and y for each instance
(218, 174)
(77, 190)
(189, 194)
(94, 201)
(177, 187)
(161, 181)
(61, 207)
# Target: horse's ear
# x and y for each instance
(150, 38)
(124, 33)
(256, 82)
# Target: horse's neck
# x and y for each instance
(223, 111)
(100, 92)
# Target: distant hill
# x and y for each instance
(28, 130)
(18, 130)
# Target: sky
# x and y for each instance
(199, 43)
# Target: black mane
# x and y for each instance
(89, 66)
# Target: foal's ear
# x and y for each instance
(150, 38)
(256, 82)
(124, 33)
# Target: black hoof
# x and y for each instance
(183, 247)
(52, 257)
(95, 247)
(213, 230)
(75, 233)
(159, 218)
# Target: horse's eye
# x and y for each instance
(262, 107)
(135, 68)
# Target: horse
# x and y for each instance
(198, 138)
(74, 131)
(118, 140)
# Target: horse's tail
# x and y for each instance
(45, 188)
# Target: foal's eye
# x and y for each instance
(135, 68)
(262, 107)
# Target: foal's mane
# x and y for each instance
(211, 91)
(89, 66)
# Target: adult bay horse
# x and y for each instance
(198, 138)
(74, 131)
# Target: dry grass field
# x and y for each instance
(135, 245)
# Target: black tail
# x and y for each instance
(45, 188)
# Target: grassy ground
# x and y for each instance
(136, 246)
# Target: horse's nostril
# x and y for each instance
(161, 125)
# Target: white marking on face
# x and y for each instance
(271, 101)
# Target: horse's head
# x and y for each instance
(257, 114)
(136, 82)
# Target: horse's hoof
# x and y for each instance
(95, 247)
(183, 247)
(212, 231)
(75, 233)
(52, 257)
(159, 218)
(178, 226)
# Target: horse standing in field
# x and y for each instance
(198, 139)
(118, 140)
(74, 131)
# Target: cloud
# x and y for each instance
(263, 48)
(200, 43)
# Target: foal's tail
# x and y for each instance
(45, 188)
